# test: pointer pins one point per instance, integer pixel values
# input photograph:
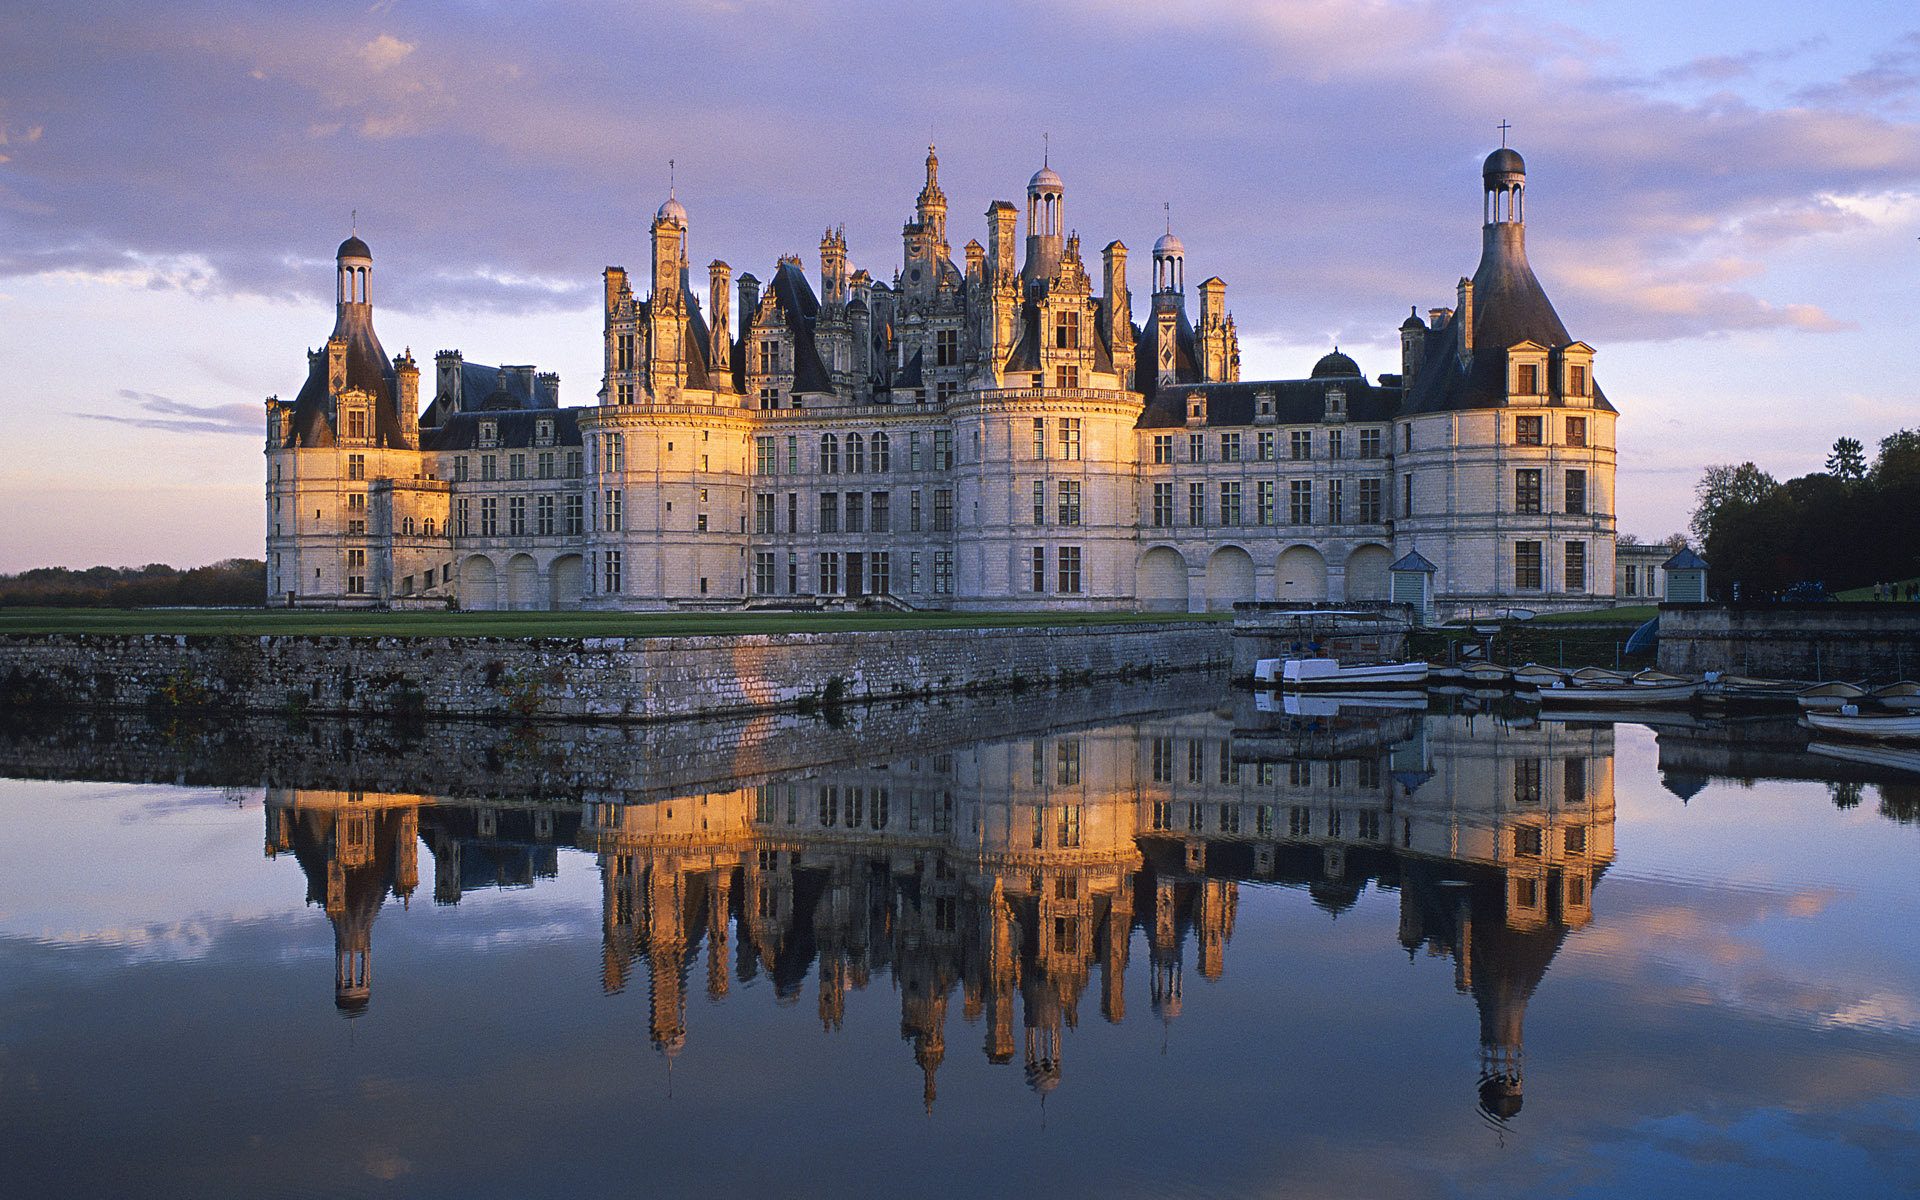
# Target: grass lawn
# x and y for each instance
(264, 622)
(1630, 615)
(1866, 593)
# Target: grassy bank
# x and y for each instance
(269, 622)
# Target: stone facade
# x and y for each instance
(993, 435)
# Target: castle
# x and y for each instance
(978, 436)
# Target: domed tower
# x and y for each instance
(1046, 222)
(1169, 270)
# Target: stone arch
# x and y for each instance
(1229, 578)
(1367, 572)
(479, 584)
(523, 583)
(566, 582)
(1301, 574)
(1161, 580)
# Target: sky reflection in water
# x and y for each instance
(1198, 951)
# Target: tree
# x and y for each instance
(1899, 463)
(1722, 486)
(1848, 462)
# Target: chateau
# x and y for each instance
(980, 435)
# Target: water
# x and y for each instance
(1140, 942)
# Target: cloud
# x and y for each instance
(175, 416)
(384, 52)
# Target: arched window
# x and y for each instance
(829, 454)
(881, 454)
(856, 454)
(429, 527)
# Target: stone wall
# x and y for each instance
(590, 679)
(1857, 642)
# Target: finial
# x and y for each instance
(1168, 205)
(1046, 149)
(354, 222)
(669, 179)
(1503, 132)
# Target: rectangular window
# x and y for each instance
(1372, 508)
(1576, 780)
(1066, 331)
(1336, 501)
(1162, 505)
(1162, 447)
(882, 571)
(1039, 502)
(1576, 429)
(913, 511)
(613, 577)
(1526, 781)
(1196, 447)
(357, 423)
(1300, 444)
(763, 512)
(1406, 495)
(1369, 443)
(793, 454)
(517, 516)
(617, 451)
(1263, 501)
(879, 518)
(1300, 502)
(829, 512)
(913, 572)
(1527, 431)
(576, 514)
(1526, 491)
(1577, 493)
(1039, 576)
(1576, 383)
(1069, 501)
(913, 450)
(543, 516)
(856, 512)
(943, 572)
(1069, 573)
(793, 574)
(1265, 437)
(1527, 572)
(459, 468)
(1039, 437)
(1576, 566)
(882, 454)
(763, 573)
(829, 576)
(489, 516)
(793, 512)
(946, 348)
(763, 455)
(1630, 584)
(1229, 447)
(1576, 841)
(1196, 504)
(1230, 502)
(1526, 379)
(1333, 443)
(357, 466)
(943, 449)
(1066, 377)
(546, 464)
(516, 466)
(1070, 438)
(1527, 843)
(576, 464)
(1162, 768)
(942, 510)
(489, 466)
(613, 517)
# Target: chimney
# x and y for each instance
(1465, 309)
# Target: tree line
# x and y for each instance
(1852, 525)
(233, 581)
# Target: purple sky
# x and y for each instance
(1723, 199)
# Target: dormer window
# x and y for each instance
(1336, 404)
(543, 432)
(489, 433)
(357, 424)
(1526, 379)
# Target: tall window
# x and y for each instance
(546, 464)
(946, 348)
(881, 520)
(943, 449)
(613, 510)
(1576, 566)
(913, 511)
(1070, 438)
(856, 512)
(1265, 441)
(1263, 501)
(516, 466)
(1069, 501)
(856, 454)
(882, 570)
(1577, 492)
(489, 467)
(612, 574)
(1527, 572)
(543, 516)
(1230, 447)
(1333, 443)
(1162, 505)
(763, 455)
(1196, 447)
(1406, 495)
(1300, 502)
(942, 510)
(1526, 491)
(1576, 381)
(1162, 447)
(763, 573)
(1336, 500)
(356, 466)
(489, 516)
(829, 454)
(1196, 504)
(943, 572)
(357, 423)
(1069, 573)
(829, 512)
(913, 450)
(1066, 331)
(881, 453)
(517, 516)
(1369, 443)
(829, 576)
(1039, 437)
(1526, 379)
(763, 512)
(1039, 576)
(1300, 444)
(1372, 510)
(1230, 502)
(793, 454)
(1039, 502)
(576, 514)
(1576, 430)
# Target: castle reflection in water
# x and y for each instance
(1010, 875)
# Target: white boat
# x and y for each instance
(1331, 673)
(1625, 693)
(1849, 721)
(1825, 697)
(1904, 695)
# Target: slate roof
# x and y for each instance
(1295, 402)
(368, 369)
(462, 430)
(801, 308)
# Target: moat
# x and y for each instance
(1122, 940)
